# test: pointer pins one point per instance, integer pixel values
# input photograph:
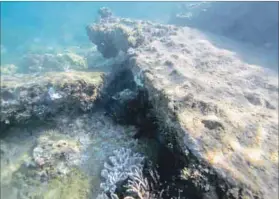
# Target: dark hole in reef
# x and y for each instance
(107, 50)
(6, 95)
(132, 110)
(32, 94)
(90, 90)
(122, 80)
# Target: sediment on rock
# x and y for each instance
(213, 130)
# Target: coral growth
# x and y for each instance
(138, 186)
(144, 188)
(121, 165)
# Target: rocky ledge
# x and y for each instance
(41, 96)
(218, 111)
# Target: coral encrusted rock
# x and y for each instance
(41, 96)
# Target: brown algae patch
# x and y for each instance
(73, 185)
(76, 186)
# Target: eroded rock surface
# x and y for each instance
(207, 100)
(41, 96)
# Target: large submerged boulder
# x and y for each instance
(40, 96)
(210, 104)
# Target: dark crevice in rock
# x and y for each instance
(135, 108)
(208, 180)
(128, 105)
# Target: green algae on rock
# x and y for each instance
(75, 185)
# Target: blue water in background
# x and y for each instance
(27, 25)
(63, 23)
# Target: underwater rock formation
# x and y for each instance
(31, 63)
(41, 96)
(198, 93)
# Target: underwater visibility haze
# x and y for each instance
(139, 100)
